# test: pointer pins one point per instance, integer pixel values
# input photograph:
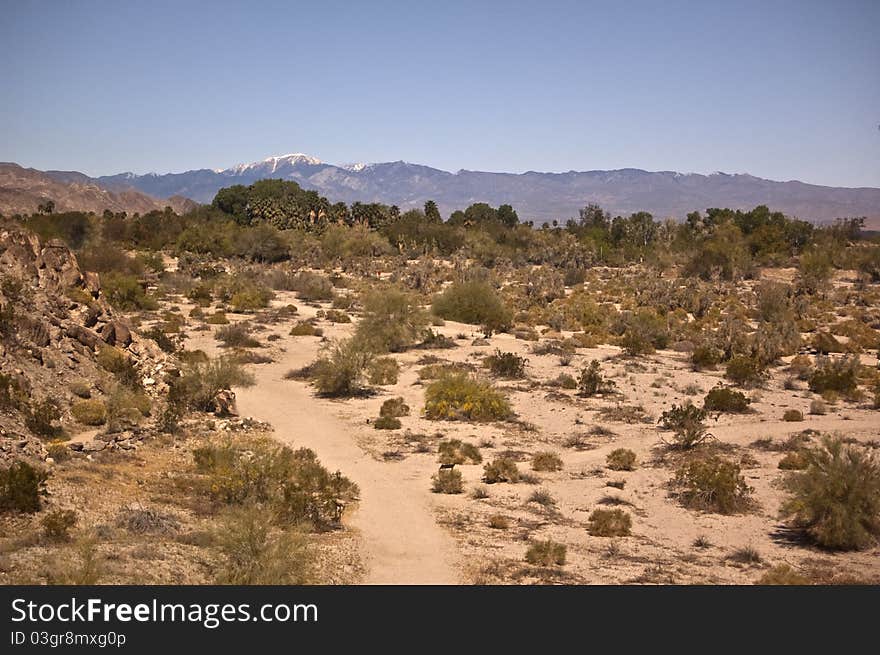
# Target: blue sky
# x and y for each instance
(785, 90)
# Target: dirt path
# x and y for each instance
(402, 543)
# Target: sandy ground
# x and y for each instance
(410, 535)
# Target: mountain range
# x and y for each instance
(535, 195)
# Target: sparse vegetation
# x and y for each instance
(546, 553)
(458, 396)
(609, 523)
(713, 484)
(447, 481)
(621, 459)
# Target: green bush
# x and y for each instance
(546, 461)
(609, 523)
(41, 416)
(592, 382)
(745, 371)
(57, 524)
(643, 332)
(251, 298)
(796, 460)
(254, 552)
(12, 395)
(840, 375)
(336, 316)
(392, 321)
(236, 336)
(120, 365)
(502, 469)
(200, 383)
(687, 423)
(621, 459)
(312, 287)
(458, 396)
(713, 484)
(339, 371)
(546, 553)
(447, 481)
(793, 415)
(387, 423)
(836, 499)
(22, 487)
(90, 412)
(305, 329)
(722, 399)
(394, 408)
(456, 451)
(383, 371)
(217, 318)
(705, 357)
(506, 365)
(476, 303)
(126, 293)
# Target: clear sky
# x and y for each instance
(784, 90)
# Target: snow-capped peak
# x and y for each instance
(272, 163)
(355, 168)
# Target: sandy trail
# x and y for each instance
(402, 544)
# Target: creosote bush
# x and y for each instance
(383, 371)
(713, 484)
(591, 381)
(506, 365)
(394, 407)
(546, 553)
(90, 412)
(387, 423)
(609, 523)
(687, 423)
(502, 469)
(22, 487)
(57, 524)
(722, 399)
(456, 451)
(340, 370)
(839, 375)
(793, 415)
(835, 500)
(458, 396)
(745, 371)
(447, 481)
(474, 302)
(236, 336)
(546, 461)
(392, 321)
(200, 383)
(621, 459)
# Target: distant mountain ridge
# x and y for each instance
(539, 196)
(22, 190)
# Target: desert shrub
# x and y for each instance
(435, 341)
(499, 522)
(474, 302)
(705, 357)
(502, 469)
(542, 497)
(506, 365)
(217, 318)
(592, 382)
(456, 451)
(250, 298)
(825, 343)
(22, 487)
(201, 294)
(621, 459)
(609, 523)
(447, 481)
(713, 484)
(643, 332)
(387, 423)
(458, 396)
(41, 416)
(840, 375)
(254, 552)
(793, 415)
(305, 329)
(200, 383)
(90, 412)
(392, 321)
(340, 369)
(383, 371)
(394, 407)
(796, 460)
(126, 408)
(722, 399)
(337, 316)
(687, 423)
(58, 451)
(783, 574)
(125, 292)
(836, 499)
(801, 366)
(12, 395)
(236, 336)
(57, 524)
(745, 371)
(312, 287)
(818, 407)
(546, 553)
(162, 339)
(564, 381)
(83, 568)
(120, 365)
(546, 461)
